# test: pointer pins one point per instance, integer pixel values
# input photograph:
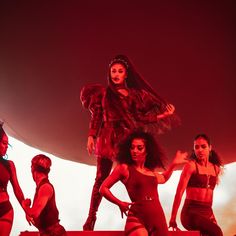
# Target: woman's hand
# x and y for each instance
(124, 208)
(170, 109)
(180, 158)
(26, 205)
(90, 145)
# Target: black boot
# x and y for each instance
(104, 166)
(94, 204)
(89, 224)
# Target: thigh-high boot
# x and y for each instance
(104, 166)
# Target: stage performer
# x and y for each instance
(7, 173)
(138, 156)
(43, 214)
(199, 178)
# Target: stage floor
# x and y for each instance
(110, 233)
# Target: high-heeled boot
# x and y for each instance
(94, 204)
(104, 166)
(89, 224)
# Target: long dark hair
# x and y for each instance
(214, 158)
(2, 132)
(155, 154)
(2, 160)
(135, 81)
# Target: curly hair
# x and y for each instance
(214, 158)
(155, 154)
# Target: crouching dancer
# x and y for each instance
(44, 213)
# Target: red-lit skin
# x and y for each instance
(6, 220)
(118, 73)
(44, 194)
(202, 150)
(138, 152)
(3, 145)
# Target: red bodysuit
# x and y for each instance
(147, 210)
(4, 179)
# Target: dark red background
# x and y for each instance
(50, 49)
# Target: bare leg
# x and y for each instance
(6, 223)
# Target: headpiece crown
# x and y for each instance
(119, 60)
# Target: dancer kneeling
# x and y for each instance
(44, 213)
(199, 178)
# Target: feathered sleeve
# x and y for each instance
(91, 97)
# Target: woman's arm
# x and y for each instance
(150, 109)
(15, 184)
(170, 109)
(118, 174)
(184, 178)
(96, 111)
(44, 194)
(180, 158)
(90, 144)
